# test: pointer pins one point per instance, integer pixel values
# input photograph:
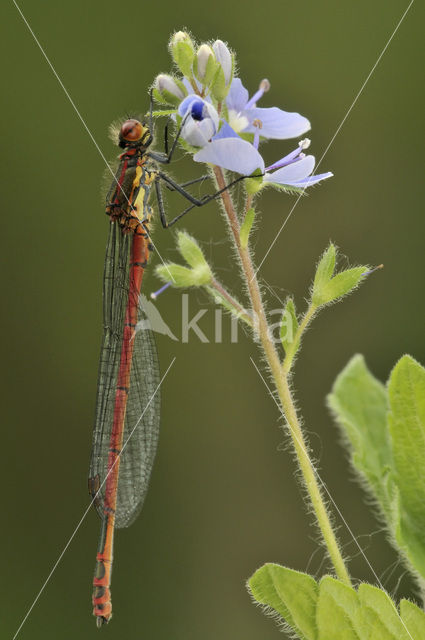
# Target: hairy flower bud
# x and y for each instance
(183, 52)
(179, 36)
(171, 90)
(224, 58)
(205, 64)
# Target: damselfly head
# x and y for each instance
(134, 134)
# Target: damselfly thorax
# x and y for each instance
(128, 199)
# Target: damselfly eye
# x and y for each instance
(131, 131)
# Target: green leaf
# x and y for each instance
(406, 420)
(246, 228)
(291, 593)
(170, 98)
(327, 288)
(163, 112)
(332, 610)
(339, 286)
(289, 326)
(190, 250)
(386, 431)
(200, 273)
(325, 268)
(183, 277)
(414, 619)
(338, 615)
(158, 96)
(359, 402)
(381, 614)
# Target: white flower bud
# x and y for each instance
(165, 82)
(224, 58)
(179, 36)
(203, 55)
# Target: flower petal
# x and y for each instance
(293, 172)
(297, 174)
(238, 96)
(277, 124)
(233, 154)
(307, 182)
(184, 106)
(210, 112)
(198, 132)
(226, 131)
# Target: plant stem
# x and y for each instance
(281, 381)
(217, 288)
(292, 350)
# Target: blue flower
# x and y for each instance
(295, 169)
(243, 111)
(228, 151)
(201, 122)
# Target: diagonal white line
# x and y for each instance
(323, 485)
(90, 505)
(336, 133)
(83, 122)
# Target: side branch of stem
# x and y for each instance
(237, 309)
(293, 348)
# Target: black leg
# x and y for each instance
(161, 208)
(166, 137)
(165, 158)
(189, 182)
(177, 218)
(195, 202)
(160, 201)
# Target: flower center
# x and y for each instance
(237, 121)
(197, 110)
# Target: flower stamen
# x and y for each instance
(292, 157)
(155, 294)
(262, 89)
(258, 126)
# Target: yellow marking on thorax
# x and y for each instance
(138, 205)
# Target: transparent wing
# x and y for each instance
(143, 404)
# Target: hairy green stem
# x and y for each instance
(215, 288)
(281, 381)
(293, 348)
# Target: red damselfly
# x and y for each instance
(127, 409)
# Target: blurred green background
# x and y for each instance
(223, 498)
